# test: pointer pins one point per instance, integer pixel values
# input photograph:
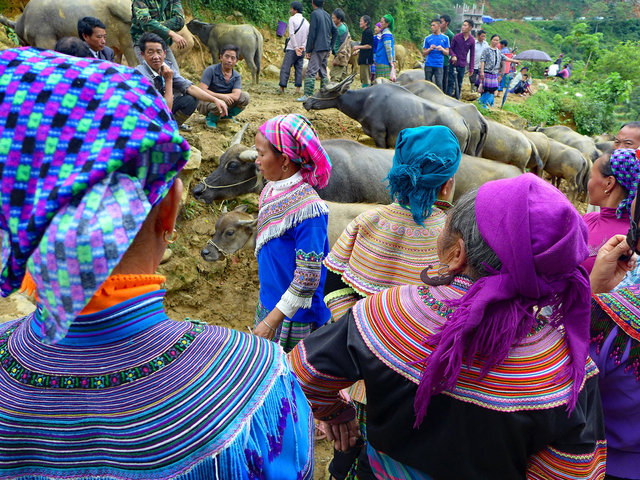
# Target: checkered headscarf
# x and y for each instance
(87, 148)
(294, 136)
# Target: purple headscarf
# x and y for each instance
(626, 169)
(541, 241)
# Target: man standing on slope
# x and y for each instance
(447, 71)
(322, 35)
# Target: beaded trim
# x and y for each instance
(618, 309)
(35, 379)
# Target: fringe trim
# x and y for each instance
(296, 302)
(289, 221)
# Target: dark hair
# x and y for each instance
(446, 18)
(339, 14)
(481, 32)
(605, 166)
(631, 125)
(367, 20)
(437, 20)
(524, 68)
(229, 47)
(73, 46)
(297, 6)
(503, 42)
(470, 22)
(149, 37)
(318, 3)
(86, 26)
(494, 36)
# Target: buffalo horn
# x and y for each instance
(237, 138)
(248, 155)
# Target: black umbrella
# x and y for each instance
(533, 56)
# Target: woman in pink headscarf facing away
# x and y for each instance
(291, 240)
(465, 377)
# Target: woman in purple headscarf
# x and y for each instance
(465, 377)
(612, 187)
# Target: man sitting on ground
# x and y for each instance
(222, 82)
(94, 33)
(180, 94)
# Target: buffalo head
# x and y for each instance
(327, 96)
(236, 174)
(233, 230)
(201, 30)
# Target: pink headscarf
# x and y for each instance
(294, 136)
(541, 240)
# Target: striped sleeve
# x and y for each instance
(324, 365)
(553, 463)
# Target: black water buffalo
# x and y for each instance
(385, 109)
(357, 173)
(246, 37)
(475, 120)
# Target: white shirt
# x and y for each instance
(480, 47)
(297, 39)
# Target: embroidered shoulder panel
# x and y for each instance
(623, 306)
(384, 247)
(395, 324)
(285, 210)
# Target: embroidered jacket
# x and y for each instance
(615, 347)
(131, 394)
(511, 424)
(291, 243)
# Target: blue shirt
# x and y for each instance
(435, 57)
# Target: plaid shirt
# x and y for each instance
(156, 16)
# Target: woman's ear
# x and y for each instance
(169, 207)
(457, 257)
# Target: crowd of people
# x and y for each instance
(494, 338)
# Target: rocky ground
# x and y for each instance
(225, 292)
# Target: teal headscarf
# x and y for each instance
(391, 21)
(425, 158)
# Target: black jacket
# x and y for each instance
(322, 32)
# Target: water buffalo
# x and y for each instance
(570, 164)
(541, 141)
(245, 37)
(357, 173)
(401, 54)
(474, 172)
(237, 228)
(508, 145)
(573, 139)
(385, 109)
(605, 146)
(475, 120)
(410, 76)
(43, 22)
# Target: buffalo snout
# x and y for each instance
(210, 254)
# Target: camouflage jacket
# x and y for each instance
(156, 16)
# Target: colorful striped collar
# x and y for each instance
(112, 324)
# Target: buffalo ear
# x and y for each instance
(241, 208)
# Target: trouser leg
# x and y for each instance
(298, 65)
(183, 107)
(324, 75)
(338, 73)
(365, 75)
(439, 74)
(313, 67)
(444, 82)
(285, 70)
(451, 80)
